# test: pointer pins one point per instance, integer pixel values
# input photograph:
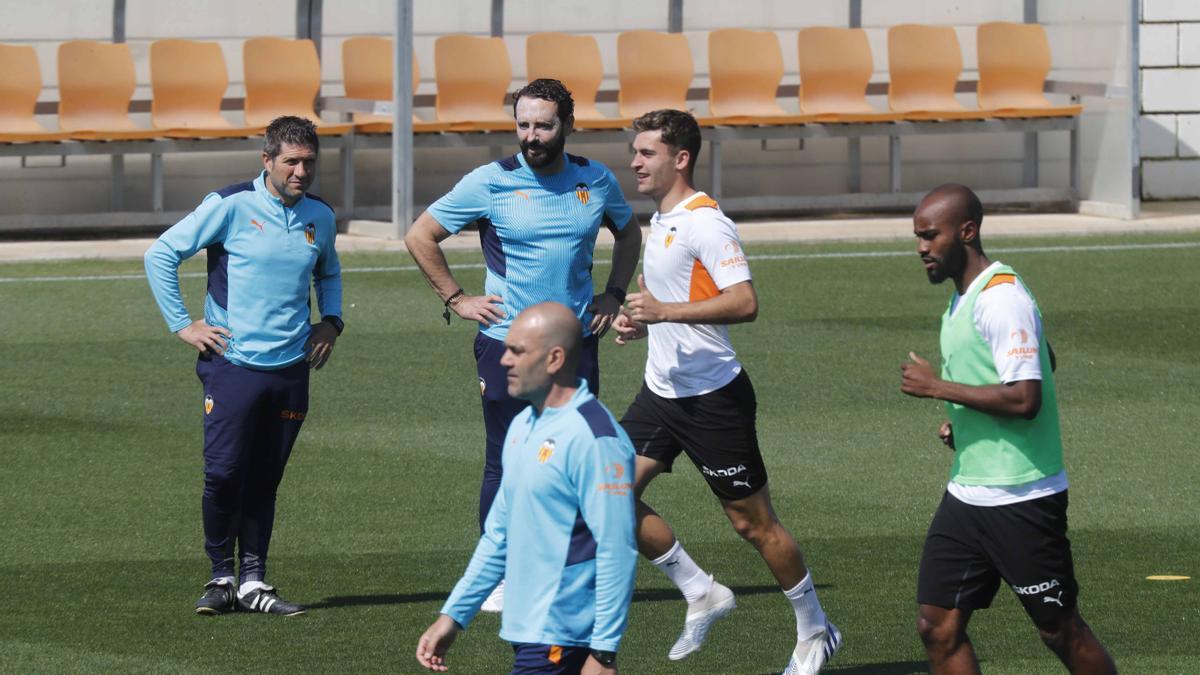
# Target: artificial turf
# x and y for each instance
(100, 469)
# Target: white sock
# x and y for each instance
(684, 572)
(223, 580)
(810, 618)
(248, 586)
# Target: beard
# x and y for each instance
(945, 267)
(548, 153)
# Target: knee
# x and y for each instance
(939, 636)
(221, 483)
(1060, 633)
(756, 532)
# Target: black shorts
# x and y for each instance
(716, 430)
(969, 549)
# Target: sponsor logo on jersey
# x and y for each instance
(310, 233)
(1022, 352)
(736, 257)
(292, 415)
(670, 238)
(256, 224)
(208, 404)
(724, 472)
(546, 450)
(614, 485)
(1019, 334)
(1036, 589)
(581, 191)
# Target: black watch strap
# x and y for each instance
(336, 322)
(604, 658)
(618, 293)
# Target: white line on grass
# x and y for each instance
(783, 256)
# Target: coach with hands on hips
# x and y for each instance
(265, 239)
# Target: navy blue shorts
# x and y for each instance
(548, 659)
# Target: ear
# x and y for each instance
(968, 232)
(568, 125)
(556, 357)
(266, 161)
(682, 159)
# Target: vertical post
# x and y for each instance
(714, 156)
(116, 195)
(1135, 108)
(497, 18)
(346, 159)
(156, 181)
(402, 116)
(894, 163)
(675, 16)
(1029, 164)
(118, 21)
(854, 145)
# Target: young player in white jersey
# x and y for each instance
(696, 398)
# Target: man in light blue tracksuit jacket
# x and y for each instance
(561, 529)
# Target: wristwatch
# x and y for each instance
(336, 322)
(604, 658)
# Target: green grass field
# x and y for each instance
(100, 470)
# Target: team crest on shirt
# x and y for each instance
(310, 233)
(670, 238)
(482, 386)
(546, 450)
(208, 404)
(581, 191)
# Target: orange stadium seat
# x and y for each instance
(835, 68)
(1014, 59)
(745, 68)
(283, 77)
(473, 76)
(575, 61)
(924, 63)
(20, 85)
(655, 71)
(367, 67)
(96, 81)
(188, 80)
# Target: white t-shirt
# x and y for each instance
(1007, 318)
(693, 253)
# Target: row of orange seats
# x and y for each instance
(473, 75)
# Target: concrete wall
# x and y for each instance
(1170, 116)
(819, 167)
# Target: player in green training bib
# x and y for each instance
(1003, 516)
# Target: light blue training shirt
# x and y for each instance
(560, 532)
(538, 232)
(262, 258)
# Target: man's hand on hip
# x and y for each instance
(205, 338)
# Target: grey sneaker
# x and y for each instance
(812, 654)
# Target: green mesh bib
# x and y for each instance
(994, 450)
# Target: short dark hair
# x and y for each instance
(679, 131)
(547, 90)
(291, 130)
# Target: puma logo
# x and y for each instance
(743, 483)
(520, 193)
(256, 224)
(1055, 600)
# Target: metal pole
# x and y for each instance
(118, 21)
(402, 111)
(1029, 164)
(116, 195)
(894, 163)
(675, 16)
(714, 152)
(497, 18)
(1135, 109)
(854, 145)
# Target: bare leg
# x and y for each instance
(1077, 646)
(755, 520)
(944, 632)
(654, 535)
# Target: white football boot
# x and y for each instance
(811, 655)
(701, 615)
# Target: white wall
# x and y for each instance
(987, 161)
(1170, 117)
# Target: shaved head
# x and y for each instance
(553, 325)
(542, 352)
(953, 204)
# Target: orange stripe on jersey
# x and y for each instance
(1001, 279)
(701, 202)
(702, 287)
(555, 655)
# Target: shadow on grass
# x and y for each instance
(893, 668)
(377, 599)
(670, 594)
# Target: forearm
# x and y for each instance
(425, 249)
(736, 304)
(162, 272)
(627, 247)
(1018, 399)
